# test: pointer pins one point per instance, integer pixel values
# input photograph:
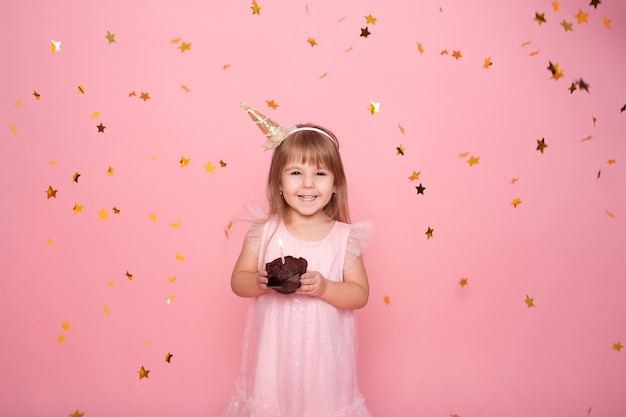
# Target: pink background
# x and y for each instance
(436, 348)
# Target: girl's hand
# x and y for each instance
(312, 283)
(262, 279)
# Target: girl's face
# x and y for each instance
(306, 188)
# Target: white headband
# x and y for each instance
(312, 129)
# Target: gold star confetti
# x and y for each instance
(586, 138)
(225, 66)
(610, 214)
(473, 160)
(110, 171)
(401, 129)
(145, 343)
(75, 177)
(272, 104)
(51, 192)
(365, 32)
(105, 309)
(255, 8)
(101, 128)
(48, 242)
(102, 214)
(170, 299)
(444, 52)
(110, 283)
(533, 53)
(540, 18)
(414, 176)
(420, 48)
(132, 94)
(463, 154)
(581, 17)
(222, 164)
(463, 282)
(36, 95)
(145, 96)
(227, 228)
(65, 326)
(420, 189)
(171, 280)
(618, 346)
(185, 88)
(530, 302)
(94, 115)
(115, 210)
(80, 89)
(516, 201)
(209, 167)
(567, 26)
(456, 54)
(312, 41)
(184, 47)
(541, 144)
(168, 357)
(184, 162)
(55, 46)
(386, 300)
(143, 373)
(77, 414)
(514, 180)
(77, 208)
(555, 6)
(595, 3)
(373, 107)
(176, 224)
(611, 161)
(487, 62)
(13, 129)
(429, 233)
(555, 70)
(129, 276)
(18, 103)
(370, 20)
(153, 217)
(61, 339)
(180, 257)
(400, 150)
(110, 37)
(607, 23)
(323, 75)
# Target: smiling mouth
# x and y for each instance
(307, 197)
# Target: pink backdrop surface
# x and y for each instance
(537, 237)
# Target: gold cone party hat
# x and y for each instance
(274, 133)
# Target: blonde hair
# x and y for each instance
(309, 147)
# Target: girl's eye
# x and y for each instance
(321, 174)
(295, 172)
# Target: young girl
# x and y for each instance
(299, 356)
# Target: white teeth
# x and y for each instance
(307, 197)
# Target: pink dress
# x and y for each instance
(299, 353)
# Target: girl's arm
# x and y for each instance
(246, 280)
(352, 293)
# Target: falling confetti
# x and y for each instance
(374, 107)
(429, 233)
(541, 145)
(51, 192)
(530, 302)
(400, 150)
(386, 300)
(143, 373)
(463, 282)
(414, 176)
(110, 37)
(420, 189)
(516, 201)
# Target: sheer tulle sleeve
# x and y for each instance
(255, 218)
(358, 239)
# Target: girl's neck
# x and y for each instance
(309, 228)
